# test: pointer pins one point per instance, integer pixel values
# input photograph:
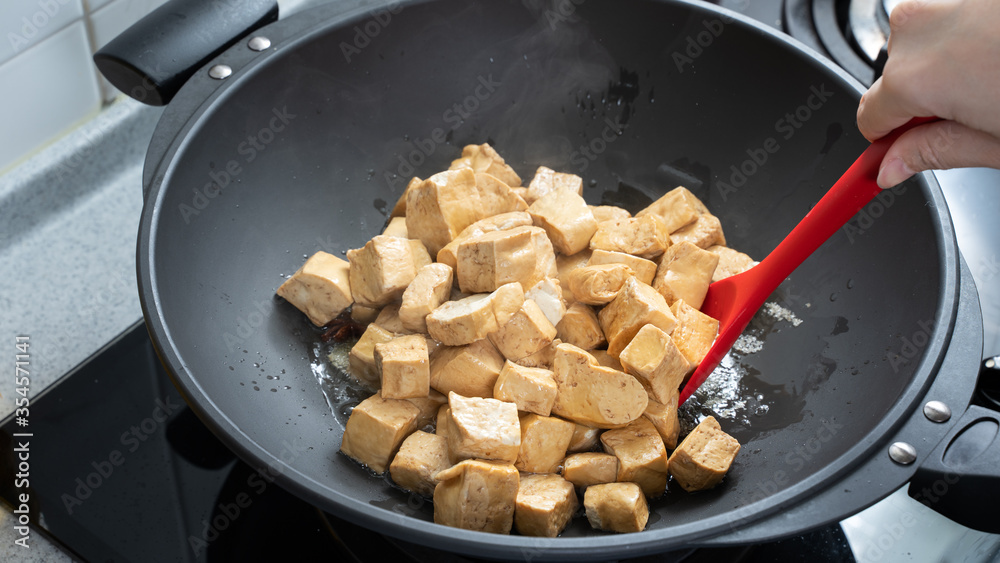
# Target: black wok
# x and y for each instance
(307, 145)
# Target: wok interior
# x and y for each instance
(620, 80)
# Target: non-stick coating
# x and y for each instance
(316, 142)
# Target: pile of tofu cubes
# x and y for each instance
(542, 341)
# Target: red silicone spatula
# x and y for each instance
(735, 300)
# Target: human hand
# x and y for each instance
(944, 61)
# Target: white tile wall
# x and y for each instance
(50, 83)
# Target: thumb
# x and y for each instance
(937, 146)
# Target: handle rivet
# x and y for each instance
(902, 453)
(936, 411)
(220, 72)
(259, 43)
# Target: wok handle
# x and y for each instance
(151, 60)
(960, 479)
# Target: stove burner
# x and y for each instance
(869, 25)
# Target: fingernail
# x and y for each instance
(893, 173)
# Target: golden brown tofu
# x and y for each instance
(590, 468)
(505, 221)
(321, 288)
(598, 285)
(565, 265)
(584, 438)
(477, 495)
(456, 323)
(646, 236)
(420, 458)
(441, 206)
(644, 270)
(544, 440)
(566, 219)
(664, 418)
(496, 196)
(594, 395)
(642, 457)
(429, 289)
(685, 272)
(375, 430)
(548, 295)
(429, 407)
(404, 367)
(616, 507)
(547, 181)
(695, 332)
(527, 332)
(362, 355)
(656, 362)
(531, 389)
(470, 370)
(703, 458)
(388, 318)
(609, 213)
(606, 360)
(731, 262)
(677, 208)
(441, 424)
(396, 228)
(487, 261)
(705, 232)
(484, 158)
(364, 315)
(399, 210)
(383, 267)
(482, 429)
(545, 505)
(635, 306)
(580, 327)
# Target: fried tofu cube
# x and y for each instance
(646, 236)
(383, 267)
(487, 261)
(580, 327)
(526, 333)
(598, 285)
(484, 158)
(375, 430)
(396, 228)
(404, 367)
(321, 288)
(685, 272)
(609, 213)
(642, 456)
(654, 359)
(544, 440)
(441, 424)
(594, 395)
(616, 507)
(644, 270)
(388, 318)
(635, 306)
(545, 505)
(420, 458)
(429, 289)
(584, 438)
(547, 181)
(731, 262)
(502, 222)
(496, 196)
(542, 358)
(566, 218)
(705, 232)
(429, 407)
(606, 360)
(590, 468)
(456, 323)
(469, 370)
(399, 210)
(530, 389)
(565, 265)
(477, 495)
(664, 418)
(695, 332)
(678, 208)
(703, 458)
(548, 295)
(441, 206)
(362, 355)
(482, 429)
(364, 315)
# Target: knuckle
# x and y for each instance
(904, 12)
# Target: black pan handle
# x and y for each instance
(151, 60)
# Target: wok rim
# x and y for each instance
(329, 497)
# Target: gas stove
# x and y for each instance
(145, 480)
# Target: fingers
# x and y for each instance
(937, 146)
(881, 111)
